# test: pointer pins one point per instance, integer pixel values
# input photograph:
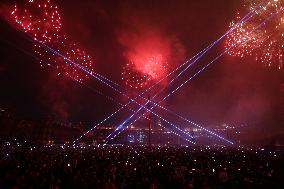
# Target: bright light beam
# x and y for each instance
(86, 70)
(194, 58)
(129, 118)
(199, 55)
(123, 128)
(93, 75)
(90, 88)
(196, 74)
(81, 67)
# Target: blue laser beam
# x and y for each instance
(196, 74)
(81, 67)
(123, 123)
(179, 135)
(244, 19)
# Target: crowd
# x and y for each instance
(25, 165)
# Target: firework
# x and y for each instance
(139, 73)
(154, 66)
(242, 41)
(40, 18)
(133, 78)
(67, 59)
(266, 43)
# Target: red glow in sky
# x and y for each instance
(153, 65)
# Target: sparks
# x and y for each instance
(266, 44)
(41, 19)
(140, 72)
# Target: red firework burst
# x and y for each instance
(40, 18)
(132, 78)
(144, 70)
(67, 59)
(154, 66)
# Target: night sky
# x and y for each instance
(233, 90)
